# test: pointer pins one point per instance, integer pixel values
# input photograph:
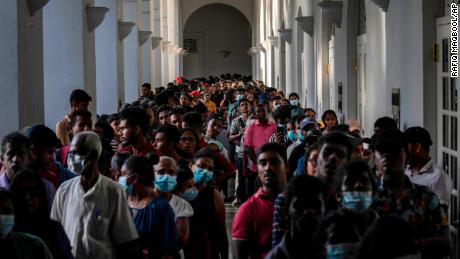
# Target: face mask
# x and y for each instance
(190, 194)
(300, 136)
(294, 102)
(276, 106)
(128, 188)
(358, 202)
(239, 97)
(165, 182)
(292, 136)
(201, 175)
(6, 224)
(76, 163)
(342, 251)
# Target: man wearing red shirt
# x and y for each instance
(252, 225)
(256, 134)
(133, 129)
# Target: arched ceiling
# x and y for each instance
(190, 6)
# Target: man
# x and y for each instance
(165, 182)
(147, 91)
(238, 126)
(133, 129)
(43, 148)
(422, 169)
(184, 102)
(334, 152)
(305, 200)
(79, 121)
(79, 100)
(282, 116)
(16, 156)
(383, 124)
(15, 244)
(275, 102)
(252, 225)
(397, 195)
(175, 117)
(163, 114)
(96, 228)
(165, 142)
(255, 135)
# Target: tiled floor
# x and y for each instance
(230, 211)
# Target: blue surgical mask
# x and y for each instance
(358, 202)
(165, 182)
(6, 224)
(276, 106)
(292, 136)
(239, 97)
(201, 175)
(342, 251)
(190, 194)
(300, 135)
(128, 188)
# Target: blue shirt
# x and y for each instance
(156, 226)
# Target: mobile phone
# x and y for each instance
(281, 129)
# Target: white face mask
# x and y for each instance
(294, 102)
(76, 163)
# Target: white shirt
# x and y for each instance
(95, 221)
(181, 207)
(433, 177)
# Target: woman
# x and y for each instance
(309, 161)
(152, 214)
(208, 237)
(188, 144)
(185, 187)
(329, 119)
(32, 215)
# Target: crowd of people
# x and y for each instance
(151, 180)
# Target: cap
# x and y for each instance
(389, 141)
(195, 93)
(42, 136)
(310, 122)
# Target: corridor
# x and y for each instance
(75, 66)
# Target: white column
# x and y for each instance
(378, 96)
(155, 54)
(107, 59)
(63, 57)
(9, 95)
(147, 47)
(130, 46)
(30, 65)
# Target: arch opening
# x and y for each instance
(217, 38)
